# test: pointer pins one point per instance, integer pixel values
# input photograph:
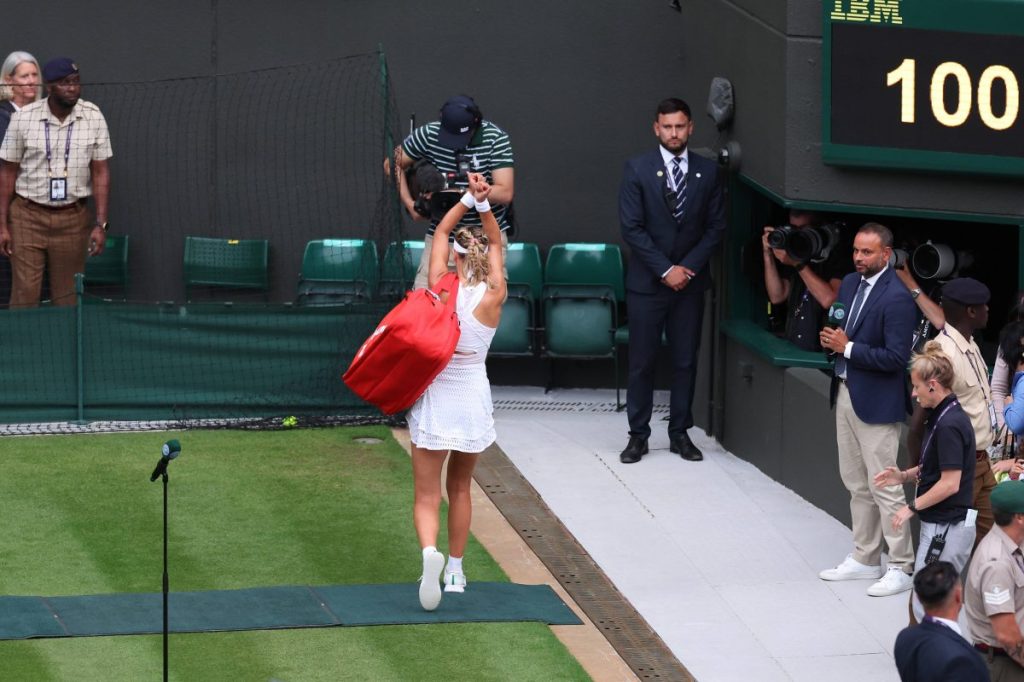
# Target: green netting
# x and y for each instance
(170, 361)
(219, 184)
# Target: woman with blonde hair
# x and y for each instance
(454, 415)
(945, 472)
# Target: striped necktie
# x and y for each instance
(679, 184)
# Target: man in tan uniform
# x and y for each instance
(994, 595)
(54, 157)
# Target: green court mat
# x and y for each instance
(268, 608)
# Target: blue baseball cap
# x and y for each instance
(460, 118)
(59, 69)
(966, 291)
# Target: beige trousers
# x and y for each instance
(864, 450)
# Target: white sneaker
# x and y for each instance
(893, 582)
(454, 582)
(851, 569)
(430, 581)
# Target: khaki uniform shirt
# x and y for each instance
(25, 144)
(970, 382)
(995, 584)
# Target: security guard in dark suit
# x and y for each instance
(935, 650)
(672, 217)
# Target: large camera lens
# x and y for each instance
(777, 237)
(934, 261)
(812, 244)
(803, 244)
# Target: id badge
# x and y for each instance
(992, 417)
(58, 189)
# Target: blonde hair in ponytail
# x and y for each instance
(933, 363)
(473, 240)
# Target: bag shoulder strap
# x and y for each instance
(449, 282)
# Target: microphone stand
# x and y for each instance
(166, 582)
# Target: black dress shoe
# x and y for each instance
(684, 447)
(636, 449)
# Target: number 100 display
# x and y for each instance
(954, 111)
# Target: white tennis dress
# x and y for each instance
(455, 412)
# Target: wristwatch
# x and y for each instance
(103, 226)
(914, 293)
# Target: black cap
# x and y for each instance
(460, 118)
(59, 69)
(966, 291)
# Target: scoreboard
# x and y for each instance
(924, 84)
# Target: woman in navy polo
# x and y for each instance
(945, 471)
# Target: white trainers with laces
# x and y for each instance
(851, 569)
(894, 581)
(454, 582)
(430, 581)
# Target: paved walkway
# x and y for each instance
(718, 558)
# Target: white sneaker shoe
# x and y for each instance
(454, 582)
(851, 569)
(430, 581)
(893, 582)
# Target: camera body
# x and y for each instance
(811, 244)
(435, 191)
(461, 174)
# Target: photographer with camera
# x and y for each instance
(812, 251)
(444, 152)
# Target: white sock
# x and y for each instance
(454, 565)
(429, 550)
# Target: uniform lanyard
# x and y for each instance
(931, 434)
(67, 148)
(970, 361)
(985, 390)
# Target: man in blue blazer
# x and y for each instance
(935, 650)
(672, 217)
(869, 391)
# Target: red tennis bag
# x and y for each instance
(410, 346)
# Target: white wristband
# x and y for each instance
(467, 200)
(483, 206)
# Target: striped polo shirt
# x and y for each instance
(489, 150)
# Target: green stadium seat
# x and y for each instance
(226, 263)
(110, 268)
(398, 270)
(583, 287)
(515, 335)
(338, 272)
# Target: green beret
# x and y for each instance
(1008, 497)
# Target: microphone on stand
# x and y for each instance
(171, 449)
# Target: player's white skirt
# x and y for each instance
(455, 412)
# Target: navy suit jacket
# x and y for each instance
(932, 652)
(882, 334)
(656, 240)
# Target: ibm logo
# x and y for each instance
(872, 11)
